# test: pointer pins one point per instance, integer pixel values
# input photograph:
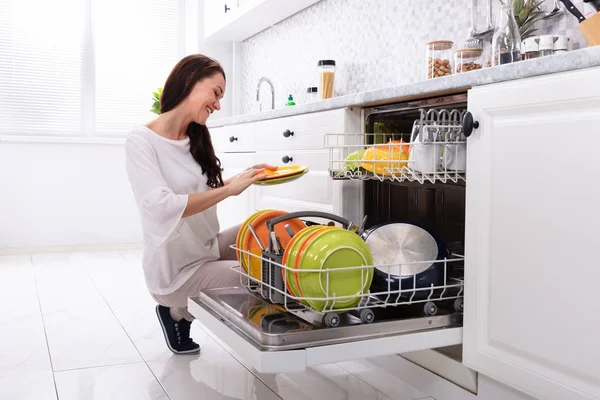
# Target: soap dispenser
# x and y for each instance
(290, 101)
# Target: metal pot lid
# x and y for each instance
(397, 244)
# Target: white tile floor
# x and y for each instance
(82, 326)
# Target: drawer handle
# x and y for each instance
(233, 139)
(226, 8)
(287, 133)
(287, 159)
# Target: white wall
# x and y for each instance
(60, 194)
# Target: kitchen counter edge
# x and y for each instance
(578, 59)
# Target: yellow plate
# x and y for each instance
(284, 171)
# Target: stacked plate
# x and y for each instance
(320, 248)
(246, 241)
(283, 174)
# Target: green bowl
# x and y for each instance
(332, 250)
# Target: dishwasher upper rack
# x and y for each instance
(434, 151)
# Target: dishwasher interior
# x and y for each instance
(436, 206)
(268, 316)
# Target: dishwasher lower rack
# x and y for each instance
(271, 284)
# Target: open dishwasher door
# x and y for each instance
(268, 339)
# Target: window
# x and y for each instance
(84, 67)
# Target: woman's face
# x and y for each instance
(205, 98)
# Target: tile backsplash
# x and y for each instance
(375, 43)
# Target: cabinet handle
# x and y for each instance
(233, 139)
(287, 133)
(469, 124)
(287, 159)
(226, 8)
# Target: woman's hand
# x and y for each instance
(264, 166)
(227, 181)
(241, 181)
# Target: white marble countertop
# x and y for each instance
(584, 58)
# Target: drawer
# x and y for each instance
(233, 163)
(299, 132)
(233, 138)
(314, 188)
(312, 191)
(341, 344)
(316, 160)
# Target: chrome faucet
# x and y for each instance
(265, 79)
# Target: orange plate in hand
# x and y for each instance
(284, 171)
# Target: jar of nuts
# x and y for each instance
(466, 60)
(439, 55)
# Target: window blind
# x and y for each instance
(136, 43)
(84, 67)
(41, 66)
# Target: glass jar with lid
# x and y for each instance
(466, 60)
(438, 58)
(326, 70)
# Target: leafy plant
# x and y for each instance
(156, 98)
(527, 13)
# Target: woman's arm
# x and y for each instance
(199, 202)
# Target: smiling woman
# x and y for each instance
(176, 179)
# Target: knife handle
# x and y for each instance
(573, 10)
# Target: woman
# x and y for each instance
(176, 180)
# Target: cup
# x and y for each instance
(455, 157)
(425, 156)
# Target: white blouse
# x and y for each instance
(162, 173)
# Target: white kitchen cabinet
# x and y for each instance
(531, 274)
(234, 138)
(234, 210)
(225, 20)
(300, 139)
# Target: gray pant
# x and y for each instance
(213, 274)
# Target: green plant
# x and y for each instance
(527, 13)
(156, 98)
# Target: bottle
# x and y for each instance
(531, 48)
(546, 44)
(506, 43)
(561, 44)
(290, 101)
(312, 94)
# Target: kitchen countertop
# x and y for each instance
(583, 58)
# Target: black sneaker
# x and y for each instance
(177, 333)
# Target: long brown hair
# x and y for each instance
(178, 86)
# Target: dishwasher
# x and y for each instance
(274, 331)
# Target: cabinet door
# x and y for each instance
(234, 210)
(214, 15)
(531, 274)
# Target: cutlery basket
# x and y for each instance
(274, 287)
